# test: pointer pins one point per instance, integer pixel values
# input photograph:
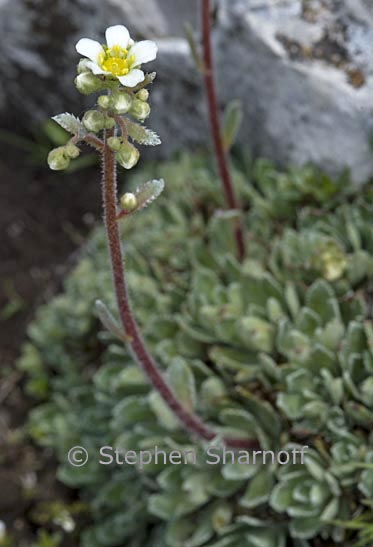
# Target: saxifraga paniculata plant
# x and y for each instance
(115, 69)
(277, 349)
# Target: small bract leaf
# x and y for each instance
(70, 123)
(194, 49)
(109, 322)
(142, 134)
(148, 192)
(232, 122)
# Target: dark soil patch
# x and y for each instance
(44, 218)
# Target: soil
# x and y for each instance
(44, 218)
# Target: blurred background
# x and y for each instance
(302, 69)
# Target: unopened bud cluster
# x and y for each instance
(95, 121)
(123, 102)
(59, 158)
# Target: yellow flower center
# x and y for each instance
(116, 61)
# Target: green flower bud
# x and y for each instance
(114, 143)
(128, 202)
(143, 95)
(140, 110)
(83, 66)
(109, 122)
(57, 159)
(94, 121)
(127, 156)
(87, 83)
(104, 101)
(71, 150)
(122, 102)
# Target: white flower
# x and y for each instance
(120, 57)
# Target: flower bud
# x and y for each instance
(83, 66)
(140, 110)
(109, 122)
(87, 83)
(127, 156)
(128, 202)
(57, 159)
(104, 101)
(94, 121)
(122, 102)
(71, 150)
(114, 143)
(143, 95)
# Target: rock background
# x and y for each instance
(303, 70)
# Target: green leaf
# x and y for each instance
(181, 380)
(291, 404)
(185, 532)
(109, 322)
(165, 416)
(259, 489)
(239, 469)
(321, 299)
(268, 537)
(232, 121)
(170, 505)
(194, 49)
(240, 420)
(142, 134)
(257, 334)
(148, 192)
(281, 497)
(70, 123)
(305, 528)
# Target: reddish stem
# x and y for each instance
(213, 107)
(136, 344)
(94, 141)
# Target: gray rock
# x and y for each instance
(177, 98)
(297, 109)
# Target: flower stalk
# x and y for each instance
(136, 344)
(116, 68)
(216, 132)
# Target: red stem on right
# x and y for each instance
(213, 107)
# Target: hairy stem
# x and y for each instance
(136, 344)
(122, 124)
(94, 141)
(216, 133)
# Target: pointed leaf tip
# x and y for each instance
(109, 322)
(70, 123)
(148, 192)
(232, 122)
(142, 134)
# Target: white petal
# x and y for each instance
(96, 69)
(133, 78)
(89, 48)
(117, 36)
(143, 52)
